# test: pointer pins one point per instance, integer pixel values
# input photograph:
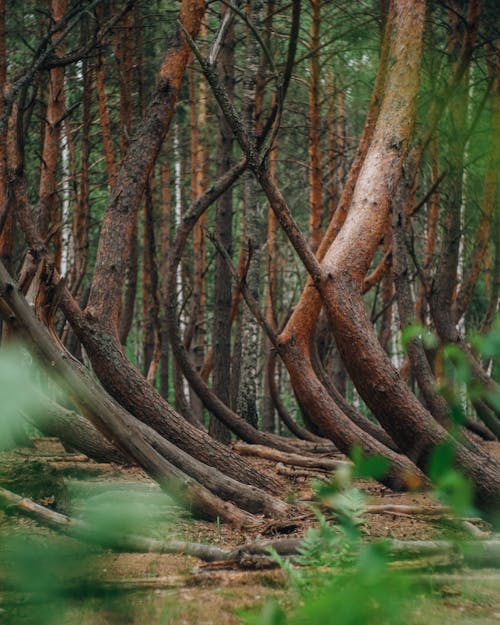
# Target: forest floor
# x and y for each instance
(154, 589)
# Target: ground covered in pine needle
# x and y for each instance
(89, 586)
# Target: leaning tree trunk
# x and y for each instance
(334, 423)
(74, 431)
(347, 261)
(97, 326)
(157, 456)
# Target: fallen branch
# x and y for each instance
(85, 532)
(253, 554)
(282, 469)
(261, 451)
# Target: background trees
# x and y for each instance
(367, 131)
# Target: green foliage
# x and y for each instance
(451, 485)
(47, 572)
(375, 467)
(16, 392)
(416, 331)
(341, 581)
(368, 594)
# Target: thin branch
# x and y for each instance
(245, 291)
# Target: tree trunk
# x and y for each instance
(315, 173)
(253, 236)
(74, 430)
(47, 210)
(221, 372)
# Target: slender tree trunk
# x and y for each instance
(221, 373)
(315, 173)
(198, 186)
(123, 44)
(489, 200)
(47, 210)
(268, 410)
(81, 215)
(102, 106)
(253, 236)
(165, 227)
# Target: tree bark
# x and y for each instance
(221, 372)
(315, 173)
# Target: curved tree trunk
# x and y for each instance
(157, 456)
(347, 260)
(74, 430)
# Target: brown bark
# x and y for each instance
(118, 223)
(332, 154)
(81, 214)
(150, 299)
(102, 105)
(309, 305)
(325, 464)
(6, 204)
(376, 380)
(47, 210)
(387, 293)
(74, 430)
(315, 173)
(268, 420)
(123, 43)
(221, 372)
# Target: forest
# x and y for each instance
(249, 287)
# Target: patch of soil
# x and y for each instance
(178, 589)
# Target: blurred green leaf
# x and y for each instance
(369, 466)
(442, 460)
(17, 392)
(416, 331)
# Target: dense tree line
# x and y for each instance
(255, 220)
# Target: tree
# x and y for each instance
(122, 292)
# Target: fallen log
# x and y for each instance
(289, 471)
(254, 554)
(310, 462)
